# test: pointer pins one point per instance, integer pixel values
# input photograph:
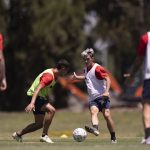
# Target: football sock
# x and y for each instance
(43, 135)
(147, 132)
(95, 126)
(113, 136)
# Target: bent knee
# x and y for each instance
(51, 110)
(94, 110)
(107, 114)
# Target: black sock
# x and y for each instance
(147, 132)
(43, 135)
(95, 126)
(113, 136)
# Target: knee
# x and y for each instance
(106, 115)
(94, 112)
(146, 116)
(51, 110)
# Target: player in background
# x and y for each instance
(98, 85)
(143, 55)
(38, 95)
(3, 83)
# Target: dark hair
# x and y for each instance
(62, 63)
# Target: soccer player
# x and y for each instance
(98, 84)
(143, 55)
(38, 95)
(3, 83)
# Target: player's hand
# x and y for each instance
(126, 75)
(75, 75)
(30, 107)
(3, 85)
(128, 80)
(105, 95)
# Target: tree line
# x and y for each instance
(38, 33)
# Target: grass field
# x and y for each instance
(128, 123)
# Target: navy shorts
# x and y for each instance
(40, 101)
(100, 103)
(146, 89)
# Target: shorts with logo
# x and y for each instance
(100, 103)
(40, 101)
(146, 90)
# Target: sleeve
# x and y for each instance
(142, 45)
(100, 73)
(1, 42)
(46, 79)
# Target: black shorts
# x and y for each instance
(40, 101)
(146, 90)
(100, 103)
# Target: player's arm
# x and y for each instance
(31, 106)
(79, 77)
(108, 83)
(101, 74)
(136, 65)
(139, 59)
(46, 79)
(3, 83)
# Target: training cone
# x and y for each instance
(64, 136)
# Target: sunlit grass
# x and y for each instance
(128, 126)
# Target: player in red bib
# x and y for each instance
(143, 55)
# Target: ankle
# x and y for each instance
(43, 134)
(95, 126)
(113, 136)
(19, 134)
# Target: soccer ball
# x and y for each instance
(79, 134)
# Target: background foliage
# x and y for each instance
(39, 32)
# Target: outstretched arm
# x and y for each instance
(130, 75)
(79, 77)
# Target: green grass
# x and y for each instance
(128, 126)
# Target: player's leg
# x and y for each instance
(94, 119)
(38, 116)
(146, 111)
(146, 120)
(110, 123)
(50, 111)
(38, 124)
(94, 115)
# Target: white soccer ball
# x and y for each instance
(79, 134)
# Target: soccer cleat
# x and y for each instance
(143, 141)
(92, 130)
(147, 140)
(113, 141)
(45, 139)
(17, 137)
